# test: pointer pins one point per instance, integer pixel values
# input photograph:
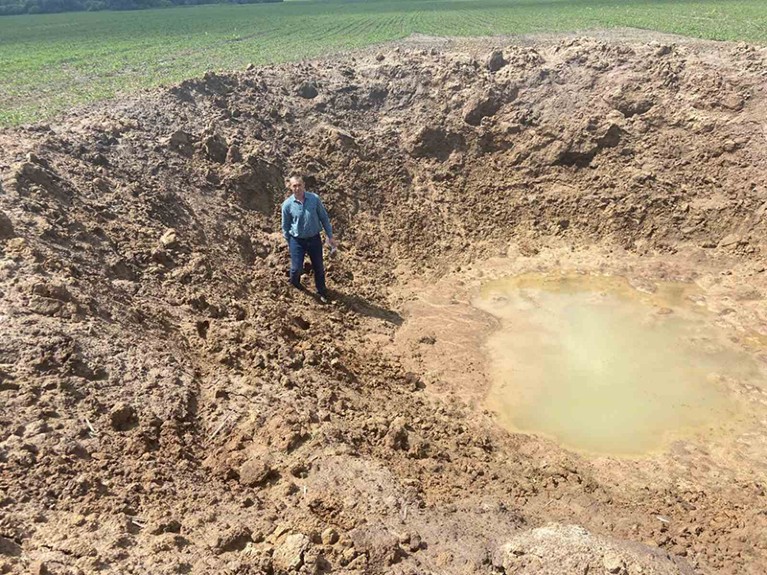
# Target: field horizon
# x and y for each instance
(53, 62)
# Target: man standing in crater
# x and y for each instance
(302, 216)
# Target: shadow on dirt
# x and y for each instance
(367, 308)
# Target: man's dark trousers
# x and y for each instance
(299, 247)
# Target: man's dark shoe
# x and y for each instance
(323, 297)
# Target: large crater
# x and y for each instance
(169, 405)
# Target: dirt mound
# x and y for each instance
(170, 406)
(571, 549)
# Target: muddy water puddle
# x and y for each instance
(604, 368)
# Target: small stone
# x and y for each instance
(9, 548)
(613, 563)
(233, 155)
(329, 536)
(123, 417)
(413, 381)
(232, 539)
(415, 542)
(6, 227)
(169, 239)
(165, 526)
(215, 148)
(496, 61)
(162, 257)
(307, 90)
(255, 471)
(481, 106)
(679, 550)
(348, 555)
(358, 564)
(730, 240)
(180, 141)
(397, 435)
(58, 292)
(290, 555)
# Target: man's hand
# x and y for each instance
(333, 243)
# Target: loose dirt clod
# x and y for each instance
(156, 368)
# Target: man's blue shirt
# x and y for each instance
(303, 219)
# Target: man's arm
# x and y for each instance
(322, 213)
(286, 221)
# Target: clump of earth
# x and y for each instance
(168, 404)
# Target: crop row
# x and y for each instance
(53, 62)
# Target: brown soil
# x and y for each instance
(168, 405)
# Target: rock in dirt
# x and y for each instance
(334, 139)
(9, 548)
(380, 546)
(433, 142)
(307, 90)
(30, 172)
(329, 536)
(418, 447)
(123, 417)
(52, 291)
(397, 435)
(495, 61)
(254, 186)
(164, 526)
(731, 240)
(290, 555)
(255, 471)
(234, 538)
(181, 142)
(169, 239)
(215, 148)
(613, 563)
(630, 103)
(481, 106)
(557, 548)
(412, 541)
(6, 227)
(233, 155)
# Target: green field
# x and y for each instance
(52, 62)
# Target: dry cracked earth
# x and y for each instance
(169, 405)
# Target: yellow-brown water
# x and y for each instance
(604, 368)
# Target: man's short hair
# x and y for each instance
(298, 177)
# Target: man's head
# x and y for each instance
(296, 183)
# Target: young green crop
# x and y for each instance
(53, 62)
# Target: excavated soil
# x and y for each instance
(169, 405)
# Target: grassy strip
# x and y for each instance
(53, 62)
